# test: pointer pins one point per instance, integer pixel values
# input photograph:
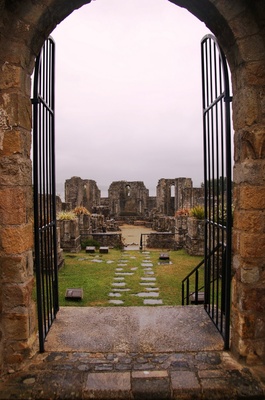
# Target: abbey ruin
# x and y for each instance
(99, 218)
(130, 201)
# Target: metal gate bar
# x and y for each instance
(44, 190)
(217, 184)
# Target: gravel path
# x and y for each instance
(132, 233)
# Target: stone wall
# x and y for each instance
(163, 224)
(161, 241)
(176, 194)
(82, 192)
(128, 199)
(109, 239)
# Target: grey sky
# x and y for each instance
(128, 93)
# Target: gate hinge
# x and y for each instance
(228, 99)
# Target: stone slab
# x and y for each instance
(117, 302)
(164, 256)
(184, 380)
(74, 294)
(149, 374)
(124, 273)
(108, 385)
(147, 283)
(151, 387)
(119, 284)
(103, 250)
(90, 249)
(153, 302)
(147, 294)
(148, 279)
(133, 329)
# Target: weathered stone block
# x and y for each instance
(12, 143)
(250, 275)
(10, 77)
(12, 206)
(252, 198)
(16, 326)
(249, 221)
(246, 326)
(15, 170)
(18, 109)
(17, 239)
(253, 299)
(252, 245)
(17, 296)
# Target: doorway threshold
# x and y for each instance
(133, 329)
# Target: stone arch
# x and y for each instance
(239, 27)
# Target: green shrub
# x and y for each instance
(90, 242)
(197, 212)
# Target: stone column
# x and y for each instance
(17, 310)
(248, 298)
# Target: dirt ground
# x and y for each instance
(132, 233)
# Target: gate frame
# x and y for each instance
(217, 255)
(45, 230)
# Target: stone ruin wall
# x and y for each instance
(82, 192)
(129, 202)
(128, 199)
(184, 196)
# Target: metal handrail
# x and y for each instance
(195, 271)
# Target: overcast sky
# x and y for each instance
(128, 93)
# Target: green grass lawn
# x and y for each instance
(96, 278)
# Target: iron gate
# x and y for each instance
(217, 184)
(44, 190)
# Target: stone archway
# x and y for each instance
(239, 27)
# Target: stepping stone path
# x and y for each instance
(149, 292)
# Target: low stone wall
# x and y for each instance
(108, 239)
(163, 224)
(161, 240)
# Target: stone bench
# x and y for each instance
(103, 250)
(90, 249)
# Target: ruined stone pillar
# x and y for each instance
(17, 310)
(248, 299)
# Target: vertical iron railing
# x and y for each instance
(45, 253)
(217, 184)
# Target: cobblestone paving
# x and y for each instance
(205, 375)
(150, 292)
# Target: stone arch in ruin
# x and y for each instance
(240, 29)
